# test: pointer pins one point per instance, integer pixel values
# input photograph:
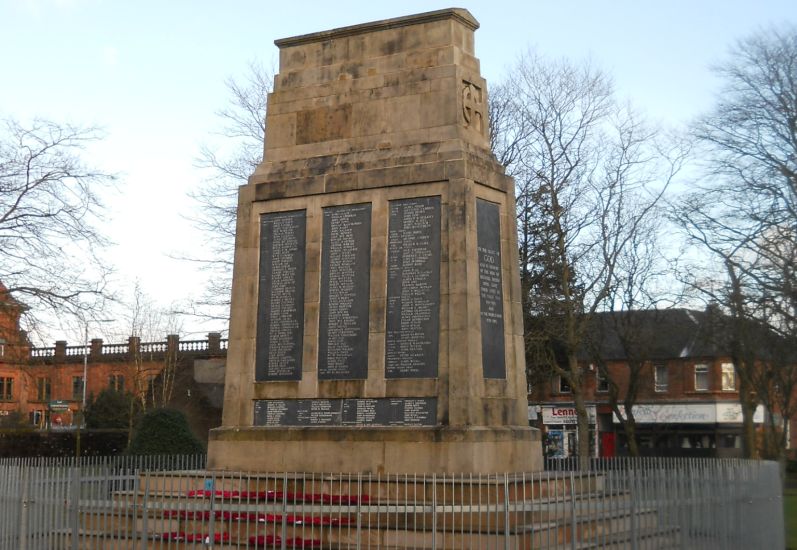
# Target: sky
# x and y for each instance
(151, 74)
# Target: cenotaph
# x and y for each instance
(376, 320)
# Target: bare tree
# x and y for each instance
(148, 322)
(745, 214)
(229, 165)
(49, 211)
(631, 322)
(588, 174)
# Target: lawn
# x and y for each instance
(790, 514)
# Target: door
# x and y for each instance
(607, 443)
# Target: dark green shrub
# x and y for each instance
(111, 410)
(164, 431)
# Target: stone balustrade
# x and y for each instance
(97, 350)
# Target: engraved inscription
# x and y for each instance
(488, 237)
(345, 287)
(413, 288)
(390, 411)
(280, 317)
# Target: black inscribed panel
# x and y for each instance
(280, 311)
(413, 288)
(345, 289)
(380, 412)
(298, 412)
(488, 236)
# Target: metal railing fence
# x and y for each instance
(173, 502)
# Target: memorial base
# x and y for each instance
(376, 450)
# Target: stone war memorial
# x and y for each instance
(375, 391)
(376, 322)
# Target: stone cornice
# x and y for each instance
(457, 14)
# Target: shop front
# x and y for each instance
(560, 432)
(687, 429)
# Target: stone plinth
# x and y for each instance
(376, 322)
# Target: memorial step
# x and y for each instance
(410, 488)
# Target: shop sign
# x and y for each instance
(692, 413)
(731, 413)
(564, 414)
(59, 405)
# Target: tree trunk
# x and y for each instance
(582, 418)
(629, 425)
(130, 420)
(749, 447)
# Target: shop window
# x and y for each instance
(603, 383)
(564, 385)
(43, 389)
(116, 382)
(731, 441)
(660, 377)
(728, 377)
(698, 441)
(701, 377)
(6, 389)
(77, 387)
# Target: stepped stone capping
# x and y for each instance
(340, 177)
(461, 15)
(391, 85)
(380, 155)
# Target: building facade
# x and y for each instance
(687, 393)
(43, 387)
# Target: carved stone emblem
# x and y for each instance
(472, 105)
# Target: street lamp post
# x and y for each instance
(85, 379)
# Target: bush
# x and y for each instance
(164, 431)
(111, 410)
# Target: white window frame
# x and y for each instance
(599, 377)
(7, 388)
(37, 417)
(44, 383)
(728, 368)
(559, 385)
(660, 386)
(116, 382)
(701, 368)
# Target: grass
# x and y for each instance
(790, 511)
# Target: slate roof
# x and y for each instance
(674, 333)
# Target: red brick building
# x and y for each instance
(43, 386)
(688, 393)
(14, 351)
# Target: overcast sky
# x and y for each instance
(151, 73)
